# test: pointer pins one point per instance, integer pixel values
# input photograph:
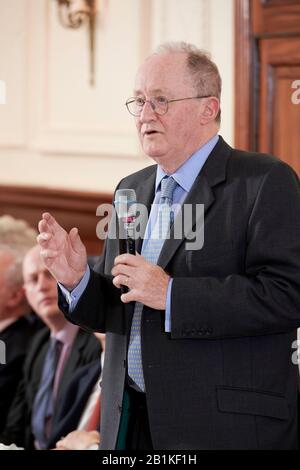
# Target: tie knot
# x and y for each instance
(168, 184)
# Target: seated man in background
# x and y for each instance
(55, 354)
(16, 238)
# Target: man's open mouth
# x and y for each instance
(150, 132)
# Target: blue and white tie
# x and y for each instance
(150, 251)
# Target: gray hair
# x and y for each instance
(202, 69)
(16, 238)
(13, 273)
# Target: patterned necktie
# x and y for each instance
(150, 251)
(43, 406)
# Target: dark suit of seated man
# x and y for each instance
(78, 416)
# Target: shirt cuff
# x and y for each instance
(74, 296)
(168, 308)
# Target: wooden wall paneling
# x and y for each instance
(286, 134)
(279, 117)
(275, 16)
(71, 208)
(267, 45)
(244, 76)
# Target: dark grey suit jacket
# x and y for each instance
(74, 401)
(223, 378)
(16, 337)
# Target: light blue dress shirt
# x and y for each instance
(185, 177)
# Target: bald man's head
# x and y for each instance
(40, 287)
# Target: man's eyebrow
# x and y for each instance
(154, 91)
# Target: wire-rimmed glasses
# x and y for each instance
(159, 104)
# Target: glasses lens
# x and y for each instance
(160, 104)
(135, 105)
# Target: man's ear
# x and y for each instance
(210, 110)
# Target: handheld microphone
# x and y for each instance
(125, 204)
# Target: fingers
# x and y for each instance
(130, 260)
(49, 219)
(48, 224)
(121, 280)
(48, 254)
(76, 242)
(43, 239)
(45, 232)
(123, 269)
(42, 225)
(60, 445)
(129, 297)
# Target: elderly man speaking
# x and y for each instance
(199, 349)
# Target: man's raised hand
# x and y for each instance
(63, 253)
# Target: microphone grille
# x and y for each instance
(124, 202)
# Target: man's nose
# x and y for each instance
(43, 282)
(148, 114)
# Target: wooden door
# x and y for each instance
(279, 116)
(268, 59)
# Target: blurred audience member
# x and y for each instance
(16, 233)
(55, 354)
(16, 238)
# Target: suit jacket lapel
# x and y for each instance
(213, 173)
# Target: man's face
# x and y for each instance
(40, 286)
(169, 139)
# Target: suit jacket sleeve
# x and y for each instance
(99, 297)
(265, 298)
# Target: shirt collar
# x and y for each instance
(67, 334)
(186, 174)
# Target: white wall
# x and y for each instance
(58, 131)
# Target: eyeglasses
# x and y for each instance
(159, 104)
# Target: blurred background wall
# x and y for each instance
(56, 130)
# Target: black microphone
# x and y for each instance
(125, 204)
